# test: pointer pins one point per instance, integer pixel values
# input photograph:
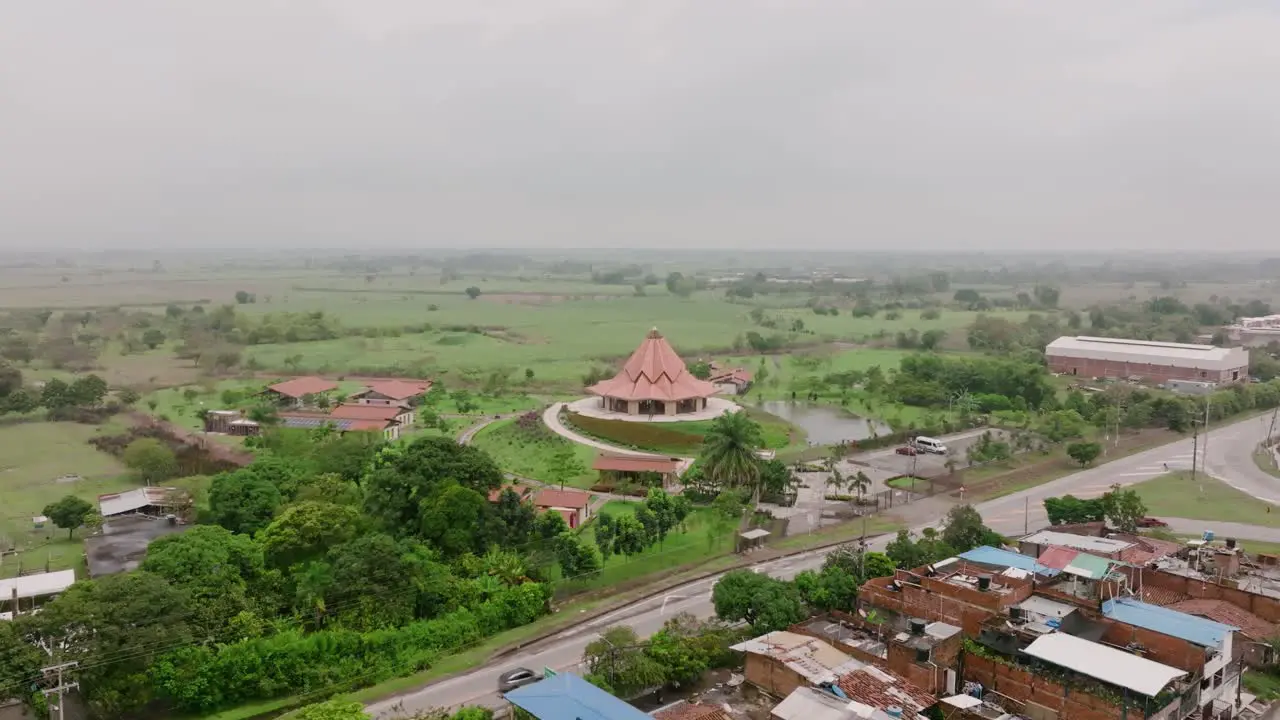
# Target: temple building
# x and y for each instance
(654, 381)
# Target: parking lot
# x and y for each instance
(923, 464)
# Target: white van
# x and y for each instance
(929, 445)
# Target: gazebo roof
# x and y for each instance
(654, 372)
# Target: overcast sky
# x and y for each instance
(839, 124)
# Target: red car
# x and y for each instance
(907, 450)
(1150, 522)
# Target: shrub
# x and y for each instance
(636, 435)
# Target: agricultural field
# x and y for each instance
(703, 539)
(528, 449)
(35, 457)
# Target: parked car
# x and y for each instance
(1150, 522)
(907, 450)
(512, 679)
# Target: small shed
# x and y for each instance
(564, 696)
(751, 539)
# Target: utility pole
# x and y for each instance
(62, 687)
(1195, 447)
(1204, 450)
(1026, 515)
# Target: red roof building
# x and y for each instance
(635, 464)
(654, 381)
(298, 388)
(368, 412)
(573, 505)
(392, 391)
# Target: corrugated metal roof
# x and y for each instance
(1104, 663)
(1201, 631)
(1087, 543)
(38, 585)
(1057, 557)
(117, 503)
(566, 695)
(1200, 357)
(1045, 606)
(987, 555)
(1088, 566)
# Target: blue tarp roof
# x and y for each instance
(568, 697)
(1191, 628)
(987, 555)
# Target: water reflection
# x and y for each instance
(824, 424)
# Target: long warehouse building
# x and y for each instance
(1151, 361)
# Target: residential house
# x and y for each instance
(523, 491)
(402, 415)
(779, 662)
(731, 382)
(389, 429)
(23, 593)
(391, 392)
(143, 500)
(298, 391)
(573, 505)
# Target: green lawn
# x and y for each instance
(1266, 462)
(697, 543)
(528, 452)
(1266, 685)
(32, 456)
(1176, 495)
(683, 438)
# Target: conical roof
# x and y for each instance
(654, 372)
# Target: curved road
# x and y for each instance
(1229, 458)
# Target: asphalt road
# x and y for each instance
(1228, 458)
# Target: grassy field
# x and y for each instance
(528, 452)
(1177, 495)
(32, 457)
(697, 543)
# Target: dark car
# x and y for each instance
(1150, 522)
(907, 450)
(519, 677)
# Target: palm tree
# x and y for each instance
(860, 483)
(729, 452)
(835, 480)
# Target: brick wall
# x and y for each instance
(1164, 649)
(1156, 373)
(936, 600)
(772, 676)
(932, 676)
(1265, 607)
(1028, 688)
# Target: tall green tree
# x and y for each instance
(964, 530)
(151, 460)
(767, 604)
(1124, 508)
(242, 501)
(68, 513)
(729, 452)
(306, 531)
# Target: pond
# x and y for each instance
(825, 425)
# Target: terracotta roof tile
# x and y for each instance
(1162, 596)
(622, 463)
(882, 689)
(1226, 613)
(654, 372)
(562, 498)
(369, 424)
(521, 490)
(692, 711)
(298, 387)
(398, 389)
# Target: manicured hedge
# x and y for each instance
(636, 434)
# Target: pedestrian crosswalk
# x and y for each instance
(1150, 470)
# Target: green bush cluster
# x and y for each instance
(205, 678)
(636, 435)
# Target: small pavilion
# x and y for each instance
(654, 381)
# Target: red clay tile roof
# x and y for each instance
(1224, 612)
(1162, 596)
(1146, 549)
(366, 412)
(298, 387)
(521, 490)
(736, 375)
(562, 498)
(882, 689)
(397, 389)
(622, 463)
(692, 711)
(654, 372)
(1057, 557)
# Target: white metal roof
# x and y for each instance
(805, 703)
(30, 586)
(754, 533)
(962, 701)
(1045, 606)
(117, 503)
(1200, 357)
(1104, 663)
(1087, 543)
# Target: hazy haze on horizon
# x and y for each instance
(755, 124)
